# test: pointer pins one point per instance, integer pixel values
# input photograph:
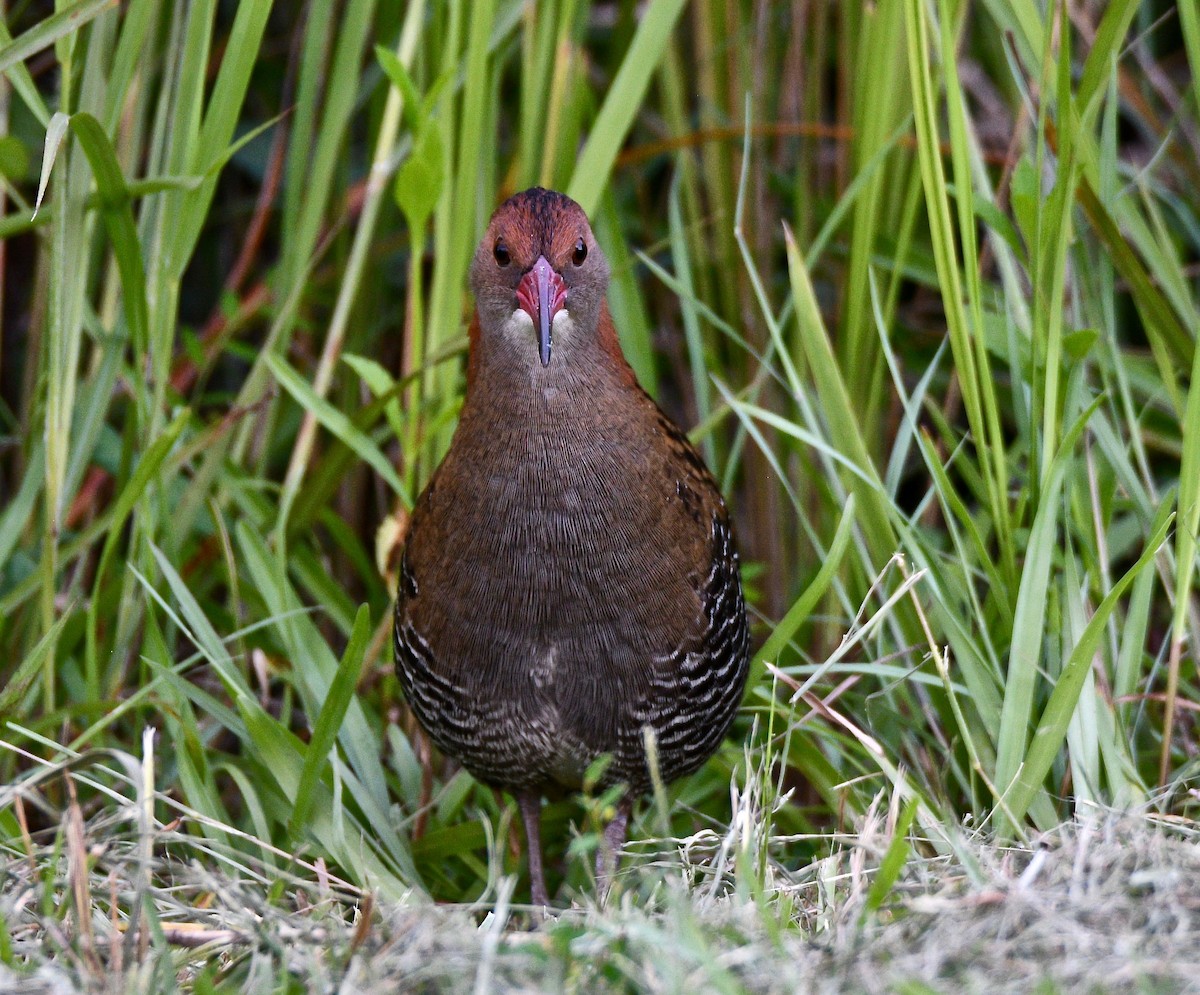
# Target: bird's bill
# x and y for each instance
(541, 294)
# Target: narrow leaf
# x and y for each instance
(335, 422)
(46, 32)
(332, 712)
(54, 136)
(622, 102)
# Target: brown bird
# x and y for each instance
(569, 577)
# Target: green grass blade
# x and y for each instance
(333, 710)
(844, 427)
(893, 861)
(1185, 552)
(1029, 621)
(45, 33)
(118, 217)
(1052, 726)
(215, 131)
(803, 607)
(22, 82)
(336, 422)
(197, 626)
(15, 518)
(621, 102)
(26, 673)
(145, 474)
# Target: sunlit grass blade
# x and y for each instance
(1030, 621)
(621, 102)
(1052, 725)
(844, 430)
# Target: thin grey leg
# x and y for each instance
(608, 858)
(530, 804)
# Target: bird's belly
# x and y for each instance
(511, 725)
(540, 670)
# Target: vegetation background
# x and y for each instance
(922, 277)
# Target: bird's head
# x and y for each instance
(538, 275)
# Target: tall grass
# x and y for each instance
(922, 276)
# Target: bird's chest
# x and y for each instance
(556, 495)
(552, 513)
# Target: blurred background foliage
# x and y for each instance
(921, 277)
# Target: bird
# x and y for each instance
(569, 586)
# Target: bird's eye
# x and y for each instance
(580, 253)
(500, 251)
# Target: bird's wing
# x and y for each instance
(696, 682)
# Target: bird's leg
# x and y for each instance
(608, 857)
(530, 803)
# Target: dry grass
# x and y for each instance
(1104, 905)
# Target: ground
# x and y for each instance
(1106, 904)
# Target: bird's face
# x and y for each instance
(539, 276)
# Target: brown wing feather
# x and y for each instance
(698, 685)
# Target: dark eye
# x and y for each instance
(501, 253)
(580, 253)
